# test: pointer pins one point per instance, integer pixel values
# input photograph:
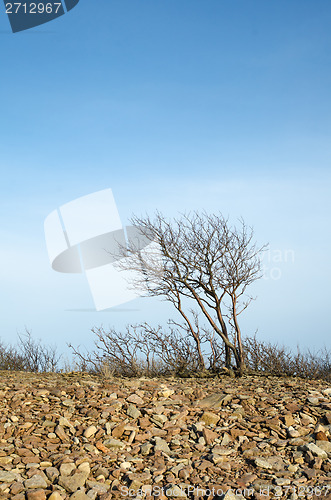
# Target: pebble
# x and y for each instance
(77, 436)
(133, 412)
(90, 431)
(315, 450)
(35, 482)
(72, 483)
(36, 495)
(55, 496)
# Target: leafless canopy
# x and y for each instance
(199, 257)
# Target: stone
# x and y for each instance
(307, 419)
(60, 432)
(79, 495)
(229, 495)
(166, 393)
(100, 446)
(325, 446)
(90, 431)
(72, 483)
(67, 468)
(209, 418)
(227, 439)
(282, 481)
(56, 495)
(85, 468)
(243, 429)
(52, 473)
(315, 450)
(312, 400)
(133, 412)
(16, 488)
(134, 398)
(292, 433)
(209, 435)
(159, 419)
(289, 420)
(9, 477)
(263, 463)
(222, 450)
(114, 444)
(145, 448)
(35, 482)
(98, 487)
(64, 422)
(321, 436)
(246, 479)
(276, 463)
(214, 401)
(161, 445)
(117, 432)
(319, 428)
(174, 491)
(36, 495)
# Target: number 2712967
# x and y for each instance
(32, 8)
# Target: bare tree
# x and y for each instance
(199, 257)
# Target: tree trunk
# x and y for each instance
(195, 334)
(240, 358)
(228, 360)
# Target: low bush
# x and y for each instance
(278, 360)
(143, 350)
(29, 355)
(146, 351)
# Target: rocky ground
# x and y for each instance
(74, 436)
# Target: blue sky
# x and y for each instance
(175, 105)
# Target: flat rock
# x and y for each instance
(315, 450)
(72, 483)
(90, 431)
(35, 482)
(114, 444)
(325, 446)
(8, 477)
(209, 418)
(56, 495)
(79, 495)
(36, 495)
(263, 463)
(213, 401)
(161, 445)
(134, 398)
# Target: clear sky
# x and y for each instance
(221, 105)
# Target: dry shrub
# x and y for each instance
(274, 359)
(141, 350)
(29, 355)
(10, 358)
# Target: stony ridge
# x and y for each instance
(75, 436)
